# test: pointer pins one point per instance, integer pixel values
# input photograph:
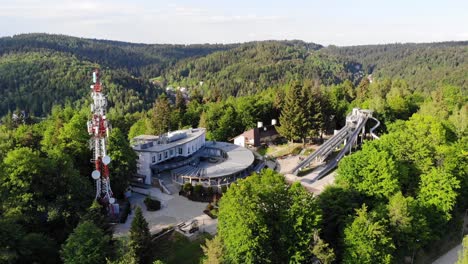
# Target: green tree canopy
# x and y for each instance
(263, 220)
(367, 240)
(438, 189)
(463, 255)
(293, 118)
(370, 171)
(160, 119)
(140, 237)
(124, 162)
(87, 244)
(213, 250)
(409, 227)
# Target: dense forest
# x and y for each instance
(41, 70)
(423, 66)
(401, 194)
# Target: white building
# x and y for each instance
(172, 150)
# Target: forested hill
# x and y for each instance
(139, 59)
(424, 66)
(40, 70)
(253, 67)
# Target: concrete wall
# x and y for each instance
(143, 163)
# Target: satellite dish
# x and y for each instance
(106, 160)
(95, 174)
(112, 200)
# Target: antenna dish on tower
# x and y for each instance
(96, 174)
(112, 200)
(106, 160)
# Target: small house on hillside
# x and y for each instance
(257, 136)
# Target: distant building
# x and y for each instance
(257, 136)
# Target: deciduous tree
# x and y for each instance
(87, 244)
(263, 220)
(123, 163)
(370, 171)
(367, 240)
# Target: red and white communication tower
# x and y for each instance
(98, 128)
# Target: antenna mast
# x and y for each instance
(98, 128)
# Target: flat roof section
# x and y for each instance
(191, 135)
(146, 137)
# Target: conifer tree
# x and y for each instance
(140, 237)
(293, 118)
(161, 118)
(213, 250)
(180, 102)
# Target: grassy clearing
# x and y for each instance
(179, 249)
(282, 150)
(309, 151)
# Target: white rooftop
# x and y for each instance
(158, 147)
(238, 159)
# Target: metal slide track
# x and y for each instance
(325, 149)
(347, 148)
(374, 127)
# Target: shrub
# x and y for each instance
(223, 189)
(188, 187)
(152, 204)
(209, 207)
(198, 190)
(209, 191)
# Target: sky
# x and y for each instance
(331, 22)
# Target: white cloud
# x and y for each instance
(154, 21)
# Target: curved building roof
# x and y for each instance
(238, 159)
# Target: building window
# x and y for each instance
(171, 152)
(193, 148)
(160, 156)
(165, 154)
(154, 159)
(180, 151)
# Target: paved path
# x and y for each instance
(315, 187)
(450, 257)
(175, 209)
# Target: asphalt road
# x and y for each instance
(450, 257)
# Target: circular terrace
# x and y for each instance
(219, 164)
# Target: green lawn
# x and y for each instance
(178, 249)
(308, 151)
(285, 149)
